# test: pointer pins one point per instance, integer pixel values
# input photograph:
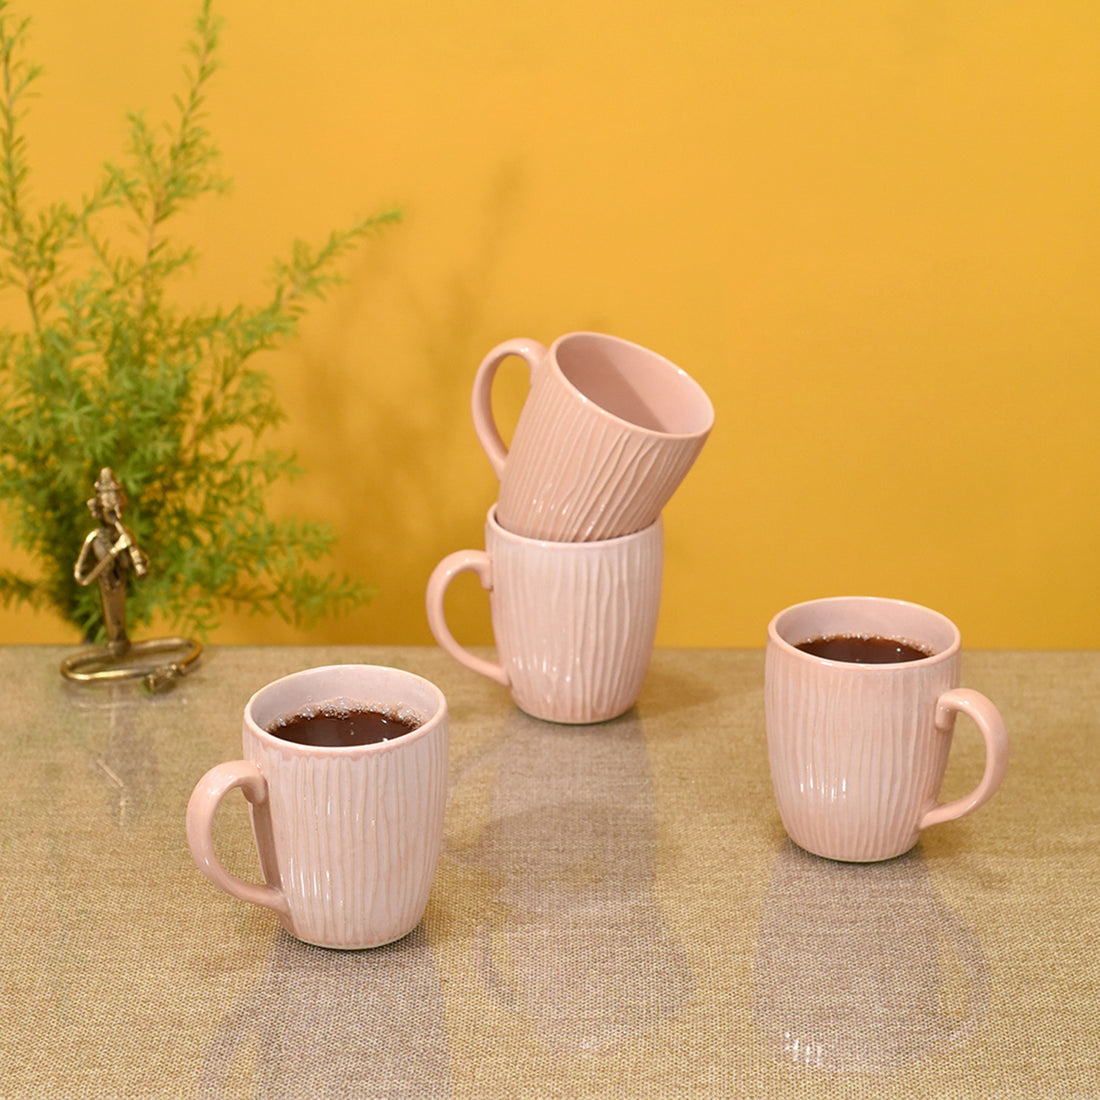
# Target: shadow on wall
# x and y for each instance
(388, 446)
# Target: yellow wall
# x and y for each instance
(869, 228)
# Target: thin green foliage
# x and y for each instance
(107, 371)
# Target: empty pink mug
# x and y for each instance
(574, 622)
(605, 437)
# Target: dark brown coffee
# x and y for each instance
(864, 649)
(341, 725)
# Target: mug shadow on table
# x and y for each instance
(861, 967)
(324, 1023)
(668, 689)
(576, 942)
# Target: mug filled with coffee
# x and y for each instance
(345, 771)
(344, 725)
(861, 696)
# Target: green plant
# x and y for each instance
(108, 371)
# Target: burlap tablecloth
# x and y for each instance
(617, 912)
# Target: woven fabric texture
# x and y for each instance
(617, 911)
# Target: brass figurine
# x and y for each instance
(108, 555)
(111, 546)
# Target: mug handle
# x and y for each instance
(481, 403)
(205, 799)
(988, 720)
(462, 561)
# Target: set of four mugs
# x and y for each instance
(858, 737)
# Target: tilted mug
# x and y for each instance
(605, 436)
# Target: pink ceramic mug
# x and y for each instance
(348, 837)
(574, 622)
(606, 435)
(858, 751)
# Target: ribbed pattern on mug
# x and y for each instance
(358, 851)
(575, 631)
(574, 474)
(855, 757)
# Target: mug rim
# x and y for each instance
(706, 405)
(265, 737)
(578, 546)
(945, 653)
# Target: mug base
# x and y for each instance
(353, 946)
(564, 717)
(873, 855)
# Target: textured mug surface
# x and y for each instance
(606, 435)
(574, 622)
(348, 838)
(858, 751)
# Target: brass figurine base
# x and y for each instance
(107, 557)
(113, 664)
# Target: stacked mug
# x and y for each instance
(574, 544)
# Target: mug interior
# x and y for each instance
(634, 384)
(864, 616)
(364, 685)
